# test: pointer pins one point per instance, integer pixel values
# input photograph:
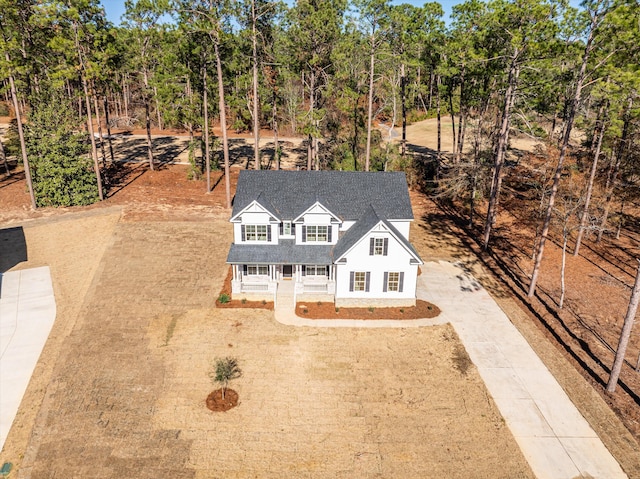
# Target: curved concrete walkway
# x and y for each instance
(27, 313)
(552, 434)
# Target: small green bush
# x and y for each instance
(244, 301)
(337, 310)
(402, 310)
(224, 298)
(371, 309)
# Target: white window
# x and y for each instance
(393, 282)
(286, 228)
(257, 270)
(256, 232)
(317, 234)
(359, 281)
(315, 270)
(378, 246)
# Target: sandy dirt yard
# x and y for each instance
(120, 388)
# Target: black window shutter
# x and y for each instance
(304, 234)
(244, 234)
(327, 271)
(281, 229)
(244, 268)
(401, 282)
(329, 228)
(268, 232)
(293, 229)
(386, 246)
(366, 281)
(371, 243)
(351, 278)
(304, 270)
(384, 283)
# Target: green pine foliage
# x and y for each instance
(59, 154)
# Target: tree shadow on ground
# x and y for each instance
(13, 248)
(500, 260)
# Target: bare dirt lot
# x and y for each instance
(121, 384)
(120, 390)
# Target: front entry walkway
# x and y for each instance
(554, 437)
(285, 296)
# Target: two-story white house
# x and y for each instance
(337, 235)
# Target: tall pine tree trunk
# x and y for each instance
(205, 127)
(453, 118)
(223, 123)
(563, 152)
(256, 100)
(627, 327)
(148, 118)
(274, 125)
(312, 101)
(23, 144)
(614, 170)
(501, 149)
(83, 79)
(403, 99)
(94, 150)
(592, 175)
(106, 120)
(102, 149)
(372, 62)
(438, 122)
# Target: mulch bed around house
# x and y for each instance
(216, 404)
(319, 310)
(238, 303)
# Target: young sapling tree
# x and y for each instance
(225, 370)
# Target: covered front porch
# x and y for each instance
(263, 279)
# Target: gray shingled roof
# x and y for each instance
(286, 252)
(361, 228)
(347, 194)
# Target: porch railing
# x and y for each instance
(315, 288)
(254, 287)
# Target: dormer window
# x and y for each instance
(316, 234)
(256, 233)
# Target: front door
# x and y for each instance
(287, 271)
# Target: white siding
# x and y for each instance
(359, 259)
(346, 225)
(317, 219)
(255, 218)
(402, 227)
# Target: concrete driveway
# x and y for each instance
(27, 313)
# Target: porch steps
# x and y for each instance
(285, 295)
